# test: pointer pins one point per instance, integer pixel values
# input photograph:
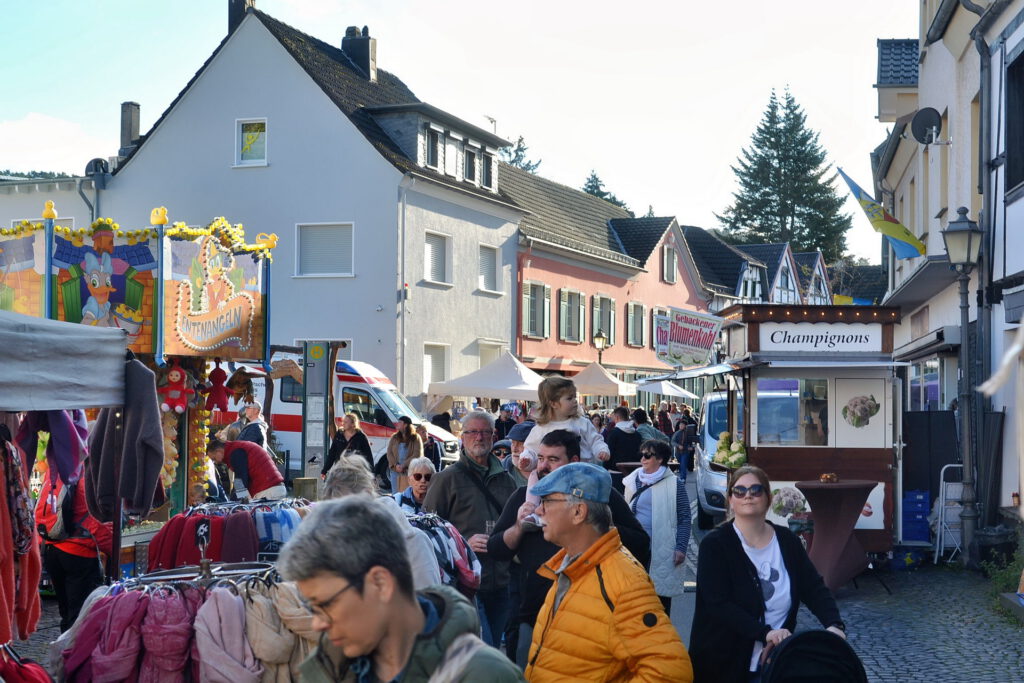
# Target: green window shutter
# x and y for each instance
(630, 325)
(611, 323)
(580, 326)
(72, 292)
(133, 289)
(595, 318)
(547, 312)
(640, 320)
(526, 308)
(563, 314)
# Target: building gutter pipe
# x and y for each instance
(408, 181)
(81, 193)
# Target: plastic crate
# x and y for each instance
(915, 506)
(904, 559)
(915, 518)
(916, 531)
(917, 496)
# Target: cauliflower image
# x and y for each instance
(788, 500)
(859, 410)
(730, 452)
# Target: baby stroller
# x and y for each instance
(817, 656)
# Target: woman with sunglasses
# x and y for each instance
(421, 470)
(752, 576)
(658, 499)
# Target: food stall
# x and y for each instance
(818, 395)
(182, 296)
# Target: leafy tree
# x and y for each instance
(516, 156)
(785, 187)
(42, 175)
(593, 185)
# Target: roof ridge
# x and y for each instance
(563, 186)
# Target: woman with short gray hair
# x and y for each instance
(351, 476)
(421, 471)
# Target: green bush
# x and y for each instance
(1005, 578)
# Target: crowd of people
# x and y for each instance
(578, 565)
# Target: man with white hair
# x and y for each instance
(471, 495)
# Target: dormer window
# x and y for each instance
(487, 171)
(433, 148)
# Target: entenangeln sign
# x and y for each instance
(684, 338)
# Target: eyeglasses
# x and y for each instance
(545, 501)
(647, 454)
(319, 609)
(755, 490)
(418, 476)
(478, 432)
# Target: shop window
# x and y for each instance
(792, 412)
(925, 386)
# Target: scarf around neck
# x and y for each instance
(652, 478)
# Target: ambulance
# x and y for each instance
(359, 388)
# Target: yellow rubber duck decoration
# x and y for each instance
(268, 241)
(158, 216)
(49, 211)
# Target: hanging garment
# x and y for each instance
(274, 528)
(271, 642)
(163, 548)
(139, 447)
(297, 619)
(166, 638)
(78, 658)
(188, 551)
(21, 670)
(65, 641)
(19, 503)
(241, 543)
(8, 562)
(116, 657)
(65, 449)
(224, 653)
(216, 549)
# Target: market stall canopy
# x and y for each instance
(666, 388)
(594, 380)
(505, 378)
(52, 365)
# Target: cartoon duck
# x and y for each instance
(98, 274)
(49, 211)
(158, 216)
(218, 287)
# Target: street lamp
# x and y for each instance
(962, 239)
(600, 342)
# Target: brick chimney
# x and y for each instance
(236, 12)
(362, 50)
(129, 128)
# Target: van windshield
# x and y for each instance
(718, 417)
(397, 404)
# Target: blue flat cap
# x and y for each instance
(580, 479)
(520, 431)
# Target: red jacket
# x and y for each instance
(256, 469)
(83, 545)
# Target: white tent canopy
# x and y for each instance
(594, 380)
(505, 378)
(53, 365)
(665, 388)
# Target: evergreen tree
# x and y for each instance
(516, 156)
(593, 185)
(650, 211)
(785, 187)
(42, 175)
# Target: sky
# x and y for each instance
(659, 98)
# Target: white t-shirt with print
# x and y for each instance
(774, 586)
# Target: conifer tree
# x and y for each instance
(593, 185)
(516, 156)
(785, 187)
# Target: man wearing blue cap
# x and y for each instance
(601, 620)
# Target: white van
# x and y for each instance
(359, 388)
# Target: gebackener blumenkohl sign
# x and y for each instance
(821, 337)
(684, 338)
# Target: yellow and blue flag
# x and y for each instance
(903, 242)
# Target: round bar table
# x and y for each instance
(835, 551)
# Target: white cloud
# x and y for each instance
(38, 142)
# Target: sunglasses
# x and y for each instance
(424, 476)
(755, 490)
(647, 454)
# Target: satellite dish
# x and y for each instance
(926, 126)
(96, 166)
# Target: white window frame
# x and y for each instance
(469, 170)
(544, 311)
(438, 164)
(636, 313)
(669, 266)
(495, 345)
(298, 249)
(448, 254)
(596, 318)
(239, 163)
(497, 270)
(564, 333)
(446, 350)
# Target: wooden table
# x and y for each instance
(836, 552)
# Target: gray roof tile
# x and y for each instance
(768, 254)
(897, 61)
(640, 236)
(718, 264)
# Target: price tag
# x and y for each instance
(203, 534)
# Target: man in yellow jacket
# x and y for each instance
(601, 620)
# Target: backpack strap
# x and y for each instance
(491, 500)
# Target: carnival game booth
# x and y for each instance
(817, 406)
(179, 297)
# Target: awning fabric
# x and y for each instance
(505, 378)
(595, 380)
(665, 388)
(53, 365)
(836, 364)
